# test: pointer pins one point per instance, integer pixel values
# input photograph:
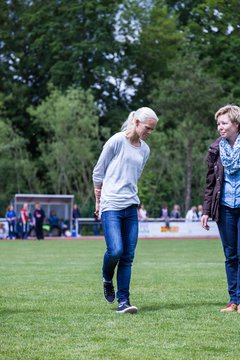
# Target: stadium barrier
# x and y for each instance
(152, 228)
(157, 228)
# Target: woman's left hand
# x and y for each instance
(204, 222)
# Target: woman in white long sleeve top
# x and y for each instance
(115, 178)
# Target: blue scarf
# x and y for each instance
(230, 156)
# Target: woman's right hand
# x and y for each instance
(97, 208)
(97, 192)
(204, 222)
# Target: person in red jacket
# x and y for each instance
(24, 214)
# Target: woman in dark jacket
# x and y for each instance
(222, 196)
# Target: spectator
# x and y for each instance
(39, 216)
(142, 213)
(176, 213)
(64, 227)
(199, 211)
(46, 226)
(2, 231)
(11, 218)
(24, 221)
(165, 214)
(54, 223)
(76, 214)
(192, 214)
(31, 224)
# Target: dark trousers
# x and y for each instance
(39, 230)
(229, 229)
(11, 229)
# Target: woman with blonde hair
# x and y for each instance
(222, 196)
(115, 178)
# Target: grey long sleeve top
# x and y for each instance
(118, 170)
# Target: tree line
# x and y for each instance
(72, 71)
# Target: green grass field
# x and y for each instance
(52, 307)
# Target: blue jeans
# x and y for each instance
(121, 234)
(229, 229)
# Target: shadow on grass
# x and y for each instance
(175, 306)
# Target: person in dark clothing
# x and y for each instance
(11, 219)
(39, 216)
(76, 214)
(55, 226)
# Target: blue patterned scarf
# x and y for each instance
(230, 156)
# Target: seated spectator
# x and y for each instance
(199, 212)
(192, 214)
(142, 213)
(46, 227)
(63, 226)
(3, 231)
(176, 213)
(11, 218)
(54, 223)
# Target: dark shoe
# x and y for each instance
(230, 308)
(126, 308)
(109, 292)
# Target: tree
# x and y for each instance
(65, 43)
(157, 43)
(19, 172)
(212, 29)
(186, 102)
(69, 152)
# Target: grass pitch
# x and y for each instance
(52, 307)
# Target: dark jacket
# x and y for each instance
(39, 215)
(214, 182)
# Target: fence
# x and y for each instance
(153, 228)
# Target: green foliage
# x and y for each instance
(158, 43)
(212, 28)
(19, 173)
(186, 102)
(67, 156)
(180, 57)
(65, 43)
